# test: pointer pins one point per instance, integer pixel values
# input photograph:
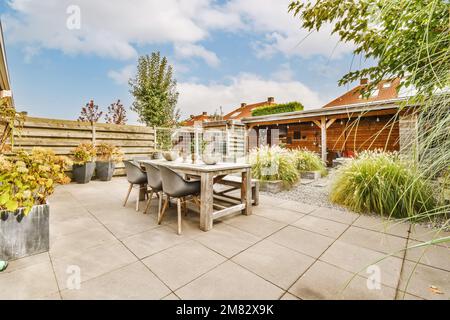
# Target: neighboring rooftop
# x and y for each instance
(385, 90)
(245, 110)
(193, 119)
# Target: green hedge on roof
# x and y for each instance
(279, 108)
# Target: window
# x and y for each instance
(386, 85)
(297, 134)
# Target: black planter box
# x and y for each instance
(22, 236)
(83, 173)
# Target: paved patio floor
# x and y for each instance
(285, 250)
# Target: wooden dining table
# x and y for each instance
(210, 174)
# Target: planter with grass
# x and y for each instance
(309, 164)
(84, 165)
(27, 179)
(274, 167)
(107, 157)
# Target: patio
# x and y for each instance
(285, 250)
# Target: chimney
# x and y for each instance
(270, 99)
(204, 113)
(364, 81)
(243, 104)
(192, 116)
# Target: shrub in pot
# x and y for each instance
(26, 181)
(83, 162)
(107, 156)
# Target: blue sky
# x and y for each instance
(223, 53)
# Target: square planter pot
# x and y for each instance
(21, 235)
(83, 173)
(311, 175)
(271, 186)
(104, 170)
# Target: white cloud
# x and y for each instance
(115, 28)
(196, 98)
(285, 73)
(122, 76)
(191, 50)
(282, 31)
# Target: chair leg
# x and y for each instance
(149, 201)
(160, 196)
(128, 194)
(137, 199)
(163, 210)
(179, 215)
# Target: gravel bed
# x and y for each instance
(310, 192)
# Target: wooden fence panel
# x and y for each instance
(64, 135)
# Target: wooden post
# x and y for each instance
(94, 134)
(206, 201)
(323, 135)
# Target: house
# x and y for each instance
(196, 119)
(245, 110)
(348, 124)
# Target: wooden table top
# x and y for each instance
(200, 166)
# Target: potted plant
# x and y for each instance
(26, 181)
(83, 162)
(107, 157)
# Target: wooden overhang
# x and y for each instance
(325, 117)
(385, 107)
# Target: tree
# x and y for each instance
(154, 91)
(408, 39)
(90, 113)
(116, 113)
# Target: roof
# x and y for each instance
(329, 111)
(4, 75)
(245, 110)
(193, 119)
(385, 90)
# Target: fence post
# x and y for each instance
(154, 137)
(94, 138)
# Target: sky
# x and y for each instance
(62, 53)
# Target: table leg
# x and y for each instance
(206, 201)
(246, 191)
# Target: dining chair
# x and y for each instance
(135, 176)
(175, 186)
(155, 183)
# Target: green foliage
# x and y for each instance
(309, 161)
(108, 152)
(27, 179)
(10, 120)
(84, 152)
(409, 39)
(90, 113)
(154, 92)
(274, 163)
(382, 183)
(116, 113)
(279, 108)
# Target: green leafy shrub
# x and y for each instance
(382, 183)
(279, 108)
(274, 163)
(108, 152)
(84, 152)
(309, 161)
(28, 179)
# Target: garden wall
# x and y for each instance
(63, 135)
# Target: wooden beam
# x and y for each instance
(330, 122)
(317, 123)
(229, 210)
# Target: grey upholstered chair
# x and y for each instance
(175, 186)
(155, 183)
(135, 176)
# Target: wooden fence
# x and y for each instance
(64, 135)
